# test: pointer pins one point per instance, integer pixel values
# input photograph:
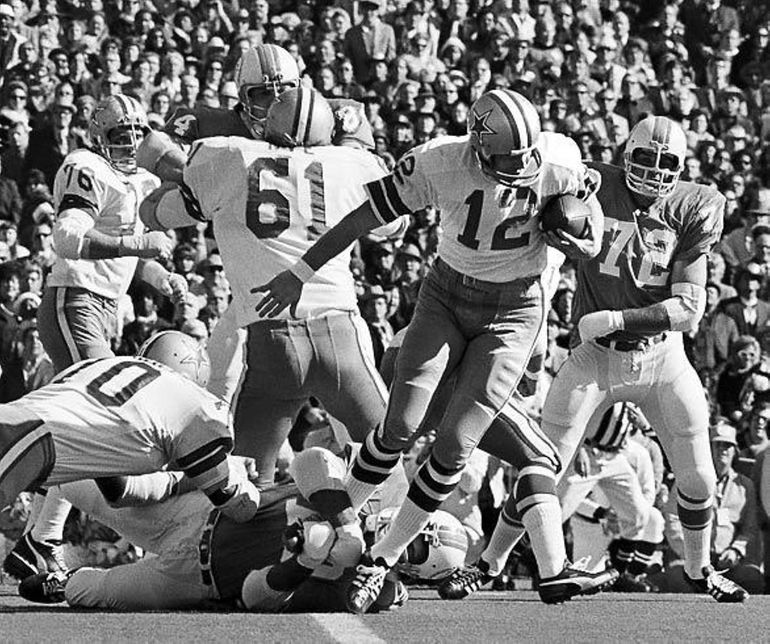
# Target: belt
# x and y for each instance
(630, 345)
(467, 280)
(204, 548)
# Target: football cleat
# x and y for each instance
(465, 581)
(628, 583)
(30, 557)
(574, 580)
(366, 585)
(393, 596)
(721, 588)
(45, 587)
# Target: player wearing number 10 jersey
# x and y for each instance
(268, 204)
(113, 417)
(479, 312)
(634, 300)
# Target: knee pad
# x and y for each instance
(697, 483)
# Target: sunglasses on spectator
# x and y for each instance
(19, 97)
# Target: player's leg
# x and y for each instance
(506, 325)
(226, 352)
(579, 392)
(73, 326)
(347, 381)
(433, 346)
(272, 392)
(676, 407)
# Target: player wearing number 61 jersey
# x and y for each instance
(108, 418)
(268, 205)
(479, 312)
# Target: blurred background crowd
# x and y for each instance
(593, 68)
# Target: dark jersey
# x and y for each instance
(639, 249)
(188, 125)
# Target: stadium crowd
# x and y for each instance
(592, 68)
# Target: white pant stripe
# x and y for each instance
(61, 320)
(12, 455)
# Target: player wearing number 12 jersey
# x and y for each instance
(268, 204)
(633, 301)
(479, 312)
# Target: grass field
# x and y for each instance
(486, 617)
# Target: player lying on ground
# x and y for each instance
(203, 556)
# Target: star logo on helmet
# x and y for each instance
(196, 359)
(480, 126)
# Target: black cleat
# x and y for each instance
(628, 583)
(718, 586)
(465, 581)
(30, 557)
(44, 587)
(574, 580)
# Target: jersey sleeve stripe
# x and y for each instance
(208, 463)
(188, 460)
(79, 202)
(385, 200)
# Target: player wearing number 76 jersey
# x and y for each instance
(479, 312)
(268, 205)
(633, 301)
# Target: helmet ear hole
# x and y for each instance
(417, 552)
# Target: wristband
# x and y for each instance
(302, 271)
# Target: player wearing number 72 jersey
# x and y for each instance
(268, 205)
(113, 417)
(479, 312)
(633, 301)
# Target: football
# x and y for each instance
(567, 213)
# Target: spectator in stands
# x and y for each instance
(744, 355)
(371, 39)
(49, 146)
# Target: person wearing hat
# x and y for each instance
(735, 533)
(10, 39)
(606, 124)
(228, 95)
(737, 245)
(729, 112)
(375, 311)
(605, 70)
(48, 146)
(369, 40)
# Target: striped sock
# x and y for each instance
(695, 516)
(407, 524)
(642, 557)
(372, 466)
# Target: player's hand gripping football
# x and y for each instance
(283, 290)
(577, 248)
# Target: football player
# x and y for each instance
(111, 417)
(633, 301)
(479, 312)
(263, 72)
(202, 555)
(99, 240)
(268, 205)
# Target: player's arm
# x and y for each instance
(145, 489)
(160, 155)
(75, 237)
(680, 312)
(171, 285)
(400, 193)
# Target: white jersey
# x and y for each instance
(129, 416)
(87, 182)
(488, 231)
(270, 204)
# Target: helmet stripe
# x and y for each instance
(124, 105)
(510, 109)
(523, 109)
(299, 122)
(262, 60)
(658, 130)
(309, 117)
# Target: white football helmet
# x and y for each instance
(299, 117)
(117, 127)
(654, 156)
(179, 352)
(436, 552)
(261, 74)
(504, 128)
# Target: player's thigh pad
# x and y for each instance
(433, 345)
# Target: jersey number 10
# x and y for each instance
(268, 212)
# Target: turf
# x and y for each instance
(486, 617)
